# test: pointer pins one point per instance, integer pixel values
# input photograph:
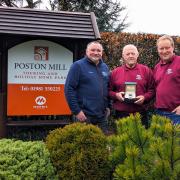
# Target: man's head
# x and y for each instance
(94, 51)
(130, 55)
(165, 47)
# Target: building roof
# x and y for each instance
(23, 21)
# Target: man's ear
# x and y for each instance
(137, 54)
(122, 57)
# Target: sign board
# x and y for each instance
(37, 71)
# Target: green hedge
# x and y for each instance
(25, 160)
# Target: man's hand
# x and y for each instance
(120, 95)
(140, 100)
(177, 110)
(108, 112)
(81, 116)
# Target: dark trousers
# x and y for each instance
(102, 123)
(144, 117)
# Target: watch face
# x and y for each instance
(130, 95)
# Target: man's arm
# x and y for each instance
(71, 85)
(150, 86)
(112, 93)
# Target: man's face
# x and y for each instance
(165, 50)
(130, 56)
(94, 52)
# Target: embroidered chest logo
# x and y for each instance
(138, 77)
(105, 74)
(169, 71)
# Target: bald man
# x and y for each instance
(86, 88)
(133, 73)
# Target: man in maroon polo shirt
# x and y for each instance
(134, 73)
(167, 80)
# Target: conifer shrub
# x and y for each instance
(79, 151)
(138, 153)
(25, 160)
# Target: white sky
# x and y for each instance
(153, 16)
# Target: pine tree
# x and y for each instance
(20, 3)
(138, 153)
(108, 12)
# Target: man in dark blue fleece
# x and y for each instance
(86, 87)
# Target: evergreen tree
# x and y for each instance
(108, 12)
(32, 4)
(9, 3)
(139, 154)
(20, 3)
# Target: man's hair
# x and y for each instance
(93, 42)
(129, 45)
(165, 37)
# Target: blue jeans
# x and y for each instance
(172, 116)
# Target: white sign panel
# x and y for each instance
(38, 62)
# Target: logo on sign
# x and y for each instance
(40, 53)
(40, 100)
